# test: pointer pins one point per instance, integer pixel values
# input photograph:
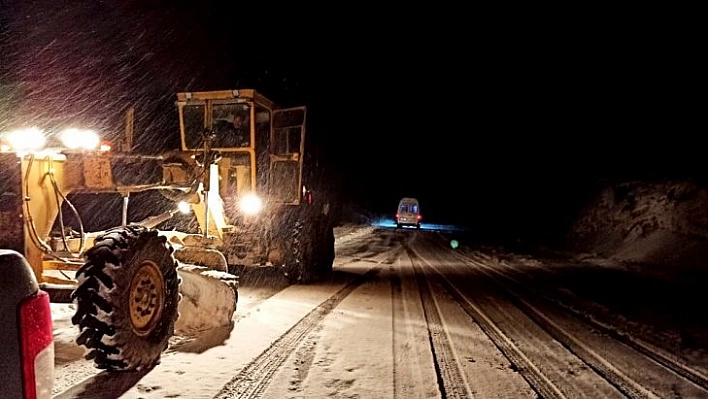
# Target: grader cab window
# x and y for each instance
(288, 127)
(262, 126)
(231, 125)
(193, 117)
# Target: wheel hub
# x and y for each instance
(147, 298)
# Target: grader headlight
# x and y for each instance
(184, 207)
(30, 139)
(250, 204)
(80, 139)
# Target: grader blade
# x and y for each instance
(208, 300)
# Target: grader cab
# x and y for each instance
(272, 215)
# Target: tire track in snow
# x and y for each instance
(410, 369)
(569, 303)
(451, 380)
(253, 379)
(625, 383)
(536, 379)
(630, 378)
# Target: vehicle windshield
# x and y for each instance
(230, 125)
(408, 208)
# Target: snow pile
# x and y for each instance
(346, 233)
(659, 223)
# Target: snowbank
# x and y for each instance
(659, 223)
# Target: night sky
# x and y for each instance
(508, 118)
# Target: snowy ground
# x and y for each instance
(364, 338)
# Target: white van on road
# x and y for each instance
(408, 213)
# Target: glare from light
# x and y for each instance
(105, 146)
(251, 204)
(184, 207)
(26, 139)
(76, 139)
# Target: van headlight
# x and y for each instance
(250, 204)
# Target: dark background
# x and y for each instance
(506, 119)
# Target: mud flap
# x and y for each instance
(209, 299)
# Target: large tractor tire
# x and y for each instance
(327, 252)
(323, 249)
(298, 260)
(311, 252)
(127, 299)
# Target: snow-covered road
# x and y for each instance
(406, 316)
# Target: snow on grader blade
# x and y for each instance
(136, 284)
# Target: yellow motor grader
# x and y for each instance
(239, 173)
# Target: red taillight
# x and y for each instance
(37, 337)
(420, 217)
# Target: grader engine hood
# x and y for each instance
(33, 185)
(101, 172)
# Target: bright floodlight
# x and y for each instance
(26, 139)
(80, 139)
(251, 204)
